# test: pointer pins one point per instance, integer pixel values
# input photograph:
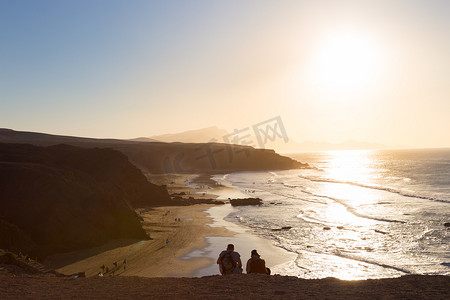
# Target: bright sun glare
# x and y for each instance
(346, 63)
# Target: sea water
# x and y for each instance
(355, 214)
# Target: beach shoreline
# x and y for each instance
(278, 259)
(185, 240)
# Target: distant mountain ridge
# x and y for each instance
(293, 147)
(203, 135)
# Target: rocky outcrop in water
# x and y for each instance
(246, 201)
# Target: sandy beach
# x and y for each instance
(170, 240)
(185, 240)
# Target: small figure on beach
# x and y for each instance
(103, 268)
(115, 264)
(256, 264)
(229, 261)
(124, 264)
(107, 269)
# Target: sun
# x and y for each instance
(346, 62)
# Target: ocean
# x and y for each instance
(355, 215)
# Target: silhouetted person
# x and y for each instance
(256, 264)
(229, 261)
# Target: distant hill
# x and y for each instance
(143, 139)
(62, 198)
(204, 135)
(293, 146)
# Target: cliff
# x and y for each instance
(159, 157)
(61, 198)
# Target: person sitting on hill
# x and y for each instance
(229, 261)
(256, 264)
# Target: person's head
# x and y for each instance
(230, 247)
(255, 253)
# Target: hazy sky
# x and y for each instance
(376, 71)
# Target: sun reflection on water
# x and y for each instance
(339, 214)
(354, 167)
(346, 171)
(351, 166)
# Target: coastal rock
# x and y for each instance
(192, 201)
(447, 224)
(246, 201)
(282, 228)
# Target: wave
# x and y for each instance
(372, 263)
(338, 254)
(376, 187)
(349, 208)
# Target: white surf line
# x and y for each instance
(375, 187)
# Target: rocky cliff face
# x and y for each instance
(61, 198)
(159, 157)
(205, 158)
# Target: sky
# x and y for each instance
(373, 71)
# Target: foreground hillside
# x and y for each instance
(61, 198)
(254, 286)
(158, 157)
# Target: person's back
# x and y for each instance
(256, 264)
(229, 261)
